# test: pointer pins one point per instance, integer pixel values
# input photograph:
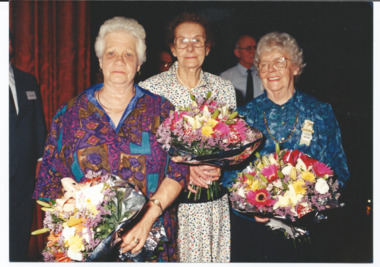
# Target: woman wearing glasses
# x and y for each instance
(295, 120)
(204, 226)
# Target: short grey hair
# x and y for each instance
(128, 25)
(281, 41)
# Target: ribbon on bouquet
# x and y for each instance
(291, 231)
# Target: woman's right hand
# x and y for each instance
(203, 175)
(261, 219)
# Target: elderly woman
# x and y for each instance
(110, 127)
(204, 225)
(281, 114)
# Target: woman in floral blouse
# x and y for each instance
(111, 128)
(204, 225)
(295, 120)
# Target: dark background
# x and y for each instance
(338, 49)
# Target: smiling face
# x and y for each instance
(119, 61)
(190, 57)
(280, 80)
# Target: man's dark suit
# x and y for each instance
(27, 133)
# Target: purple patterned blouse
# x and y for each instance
(84, 139)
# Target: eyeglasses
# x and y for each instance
(279, 63)
(197, 41)
(250, 48)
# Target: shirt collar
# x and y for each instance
(294, 100)
(243, 70)
(90, 93)
(139, 92)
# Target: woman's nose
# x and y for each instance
(190, 46)
(271, 67)
(120, 59)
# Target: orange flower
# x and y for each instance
(61, 257)
(64, 259)
(52, 238)
(79, 228)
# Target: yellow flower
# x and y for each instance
(91, 207)
(253, 184)
(72, 221)
(207, 130)
(308, 176)
(211, 123)
(299, 187)
(75, 243)
(260, 166)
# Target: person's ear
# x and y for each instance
(207, 50)
(174, 51)
(296, 70)
(237, 53)
(101, 63)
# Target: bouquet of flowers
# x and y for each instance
(86, 223)
(207, 132)
(285, 186)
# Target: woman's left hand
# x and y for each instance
(203, 175)
(166, 193)
(134, 239)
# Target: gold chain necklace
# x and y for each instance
(283, 141)
(187, 87)
(110, 109)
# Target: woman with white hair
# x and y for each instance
(110, 129)
(294, 120)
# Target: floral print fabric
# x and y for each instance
(166, 84)
(82, 140)
(194, 225)
(207, 222)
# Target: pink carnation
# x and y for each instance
(322, 169)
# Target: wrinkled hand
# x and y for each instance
(135, 238)
(203, 175)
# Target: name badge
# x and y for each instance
(31, 95)
(307, 132)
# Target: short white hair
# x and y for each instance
(128, 25)
(281, 41)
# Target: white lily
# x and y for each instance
(206, 114)
(277, 183)
(224, 110)
(289, 199)
(194, 122)
(91, 195)
(301, 165)
(272, 160)
(287, 169)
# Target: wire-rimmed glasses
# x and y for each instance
(278, 63)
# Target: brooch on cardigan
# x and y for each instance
(307, 132)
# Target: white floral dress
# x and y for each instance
(204, 233)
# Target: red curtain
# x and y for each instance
(52, 42)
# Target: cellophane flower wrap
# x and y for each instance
(87, 222)
(208, 132)
(285, 186)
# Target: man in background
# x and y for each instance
(27, 133)
(244, 76)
